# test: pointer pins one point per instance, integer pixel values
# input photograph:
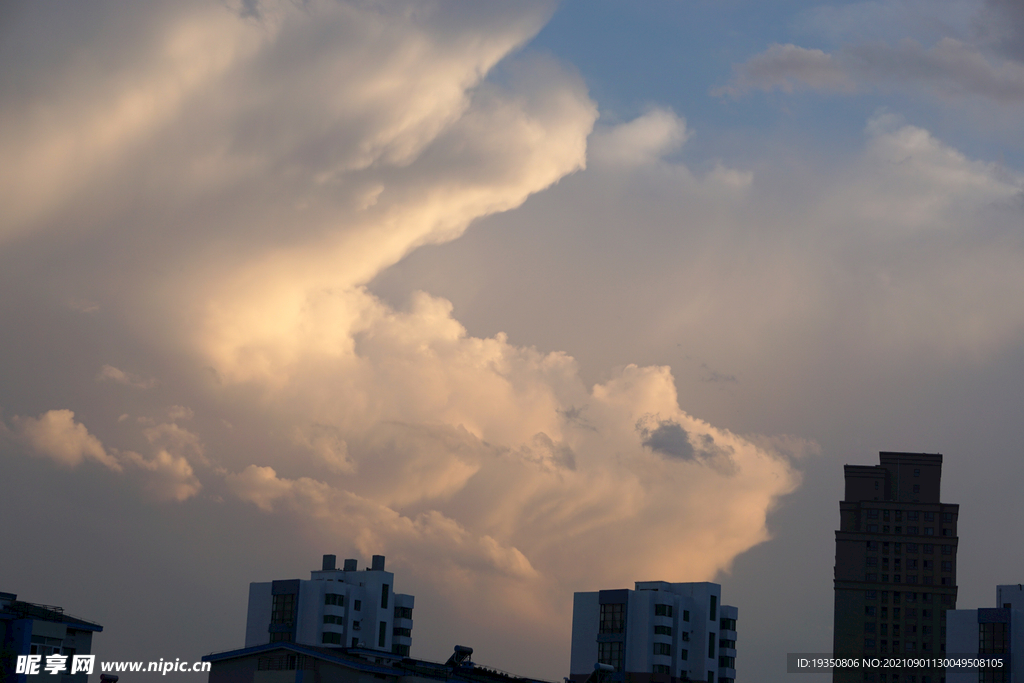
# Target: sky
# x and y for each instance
(530, 298)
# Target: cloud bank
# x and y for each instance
(230, 181)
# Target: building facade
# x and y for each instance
(334, 608)
(895, 570)
(989, 633)
(659, 632)
(28, 628)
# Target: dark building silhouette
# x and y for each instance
(895, 572)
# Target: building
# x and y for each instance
(659, 632)
(335, 608)
(283, 662)
(895, 571)
(27, 628)
(990, 633)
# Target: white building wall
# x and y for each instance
(692, 634)
(586, 613)
(361, 614)
(258, 615)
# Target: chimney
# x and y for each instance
(377, 563)
(330, 562)
(350, 565)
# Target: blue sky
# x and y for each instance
(528, 298)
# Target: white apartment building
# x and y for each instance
(335, 608)
(994, 632)
(659, 632)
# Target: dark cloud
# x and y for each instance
(1003, 20)
(668, 438)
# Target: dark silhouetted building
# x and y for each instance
(895, 572)
(46, 634)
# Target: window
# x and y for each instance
(917, 488)
(926, 614)
(911, 597)
(684, 655)
(884, 629)
(686, 615)
(929, 516)
(334, 599)
(663, 649)
(912, 547)
(895, 597)
(663, 610)
(727, 624)
(711, 645)
(282, 610)
(684, 636)
(895, 612)
(611, 654)
(869, 627)
(912, 530)
(899, 515)
(661, 669)
(917, 472)
(613, 618)
(872, 514)
(331, 639)
(355, 626)
(873, 545)
(382, 634)
(946, 581)
(714, 607)
(402, 631)
(726, 643)
(912, 515)
(947, 566)
(928, 549)
(947, 516)
(727, 662)
(869, 644)
(403, 612)
(947, 532)
(400, 650)
(711, 677)
(871, 595)
(899, 530)
(929, 531)
(896, 548)
(280, 637)
(384, 596)
(872, 561)
(885, 515)
(912, 578)
(873, 528)
(947, 550)
(869, 611)
(911, 564)
(357, 605)
(662, 630)
(332, 619)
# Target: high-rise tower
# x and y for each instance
(895, 572)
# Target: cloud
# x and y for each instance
(951, 68)
(108, 373)
(180, 413)
(304, 151)
(641, 141)
(170, 477)
(56, 435)
(788, 68)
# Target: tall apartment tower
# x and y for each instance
(895, 573)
